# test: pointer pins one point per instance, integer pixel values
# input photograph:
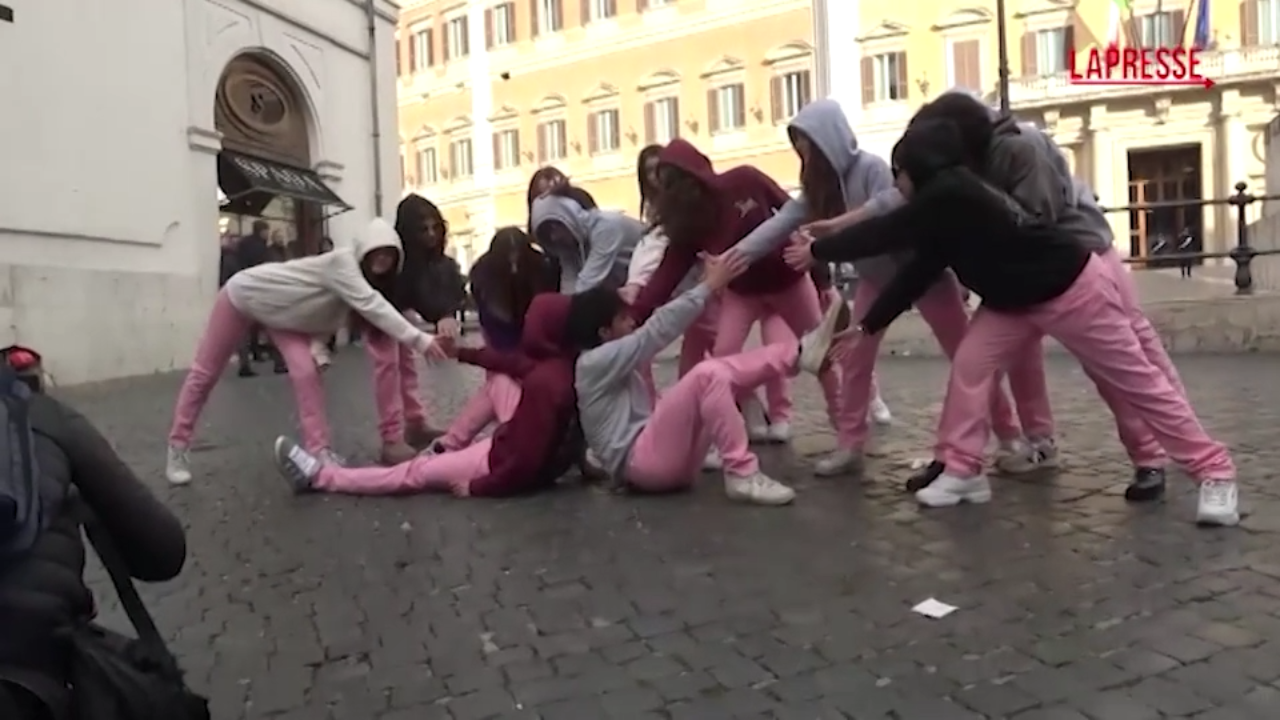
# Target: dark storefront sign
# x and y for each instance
(250, 183)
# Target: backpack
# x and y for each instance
(22, 515)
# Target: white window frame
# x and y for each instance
(721, 88)
(1268, 22)
(426, 163)
(456, 38)
(598, 8)
(883, 75)
(1148, 21)
(792, 99)
(454, 143)
(663, 120)
(1043, 59)
(595, 116)
(546, 14)
(504, 19)
(507, 156)
(552, 120)
(422, 40)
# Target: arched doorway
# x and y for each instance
(264, 169)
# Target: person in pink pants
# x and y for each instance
(1034, 278)
(708, 212)
(537, 442)
(430, 286)
(294, 301)
(661, 448)
(837, 176)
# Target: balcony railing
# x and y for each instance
(1222, 66)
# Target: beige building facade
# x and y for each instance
(491, 91)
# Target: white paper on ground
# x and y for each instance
(934, 609)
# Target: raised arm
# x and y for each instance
(615, 360)
(772, 233)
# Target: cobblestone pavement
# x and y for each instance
(584, 605)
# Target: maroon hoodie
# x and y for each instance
(742, 198)
(542, 439)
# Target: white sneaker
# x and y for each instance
(712, 461)
(177, 465)
(950, 490)
(840, 462)
(329, 457)
(779, 432)
(1046, 451)
(1016, 457)
(1219, 503)
(296, 465)
(757, 422)
(757, 488)
(816, 343)
(879, 412)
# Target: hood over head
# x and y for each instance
(378, 234)
(681, 154)
(970, 92)
(827, 127)
(564, 211)
(927, 148)
(546, 327)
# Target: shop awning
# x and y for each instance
(250, 182)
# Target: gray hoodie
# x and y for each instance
(1015, 165)
(862, 176)
(604, 242)
(613, 400)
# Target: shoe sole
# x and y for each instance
(178, 482)
(757, 501)
(1208, 522)
(846, 469)
(954, 500)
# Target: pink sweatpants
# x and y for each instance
(396, 391)
(1090, 320)
(493, 402)
(942, 308)
(226, 330)
(783, 316)
(1138, 439)
(700, 411)
(451, 471)
(699, 343)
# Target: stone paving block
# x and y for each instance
(583, 605)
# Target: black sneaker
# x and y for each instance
(924, 477)
(296, 465)
(246, 371)
(1147, 485)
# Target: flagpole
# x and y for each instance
(1186, 19)
(1003, 37)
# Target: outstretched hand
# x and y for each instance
(442, 347)
(720, 270)
(819, 229)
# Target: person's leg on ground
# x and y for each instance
(1030, 390)
(736, 314)
(308, 392)
(225, 331)
(800, 310)
(855, 372)
(418, 432)
(494, 402)
(1091, 322)
(991, 343)
(777, 390)
(446, 472)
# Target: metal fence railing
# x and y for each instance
(1242, 254)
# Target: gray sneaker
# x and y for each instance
(296, 465)
(177, 465)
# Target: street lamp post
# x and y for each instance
(1003, 42)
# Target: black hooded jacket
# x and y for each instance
(44, 592)
(956, 220)
(430, 283)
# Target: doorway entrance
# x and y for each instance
(1163, 176)
(264, 169)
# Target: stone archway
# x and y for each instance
(262, 116)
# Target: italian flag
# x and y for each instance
(1115, 21)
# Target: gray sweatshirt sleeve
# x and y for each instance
(606, 244)
(884, 202)
(615, 360)
(773, 232)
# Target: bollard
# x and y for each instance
(1243, 253)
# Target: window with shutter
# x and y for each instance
(713, 114)
(649, 118)
(534, 21)
(1249, 27)
(776, 113)
(965, 64)
(868, 81)
(593, 137)
(488, 27)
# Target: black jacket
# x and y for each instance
(252, 250)
(957, 221)
(431, 285)
(44, 592)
